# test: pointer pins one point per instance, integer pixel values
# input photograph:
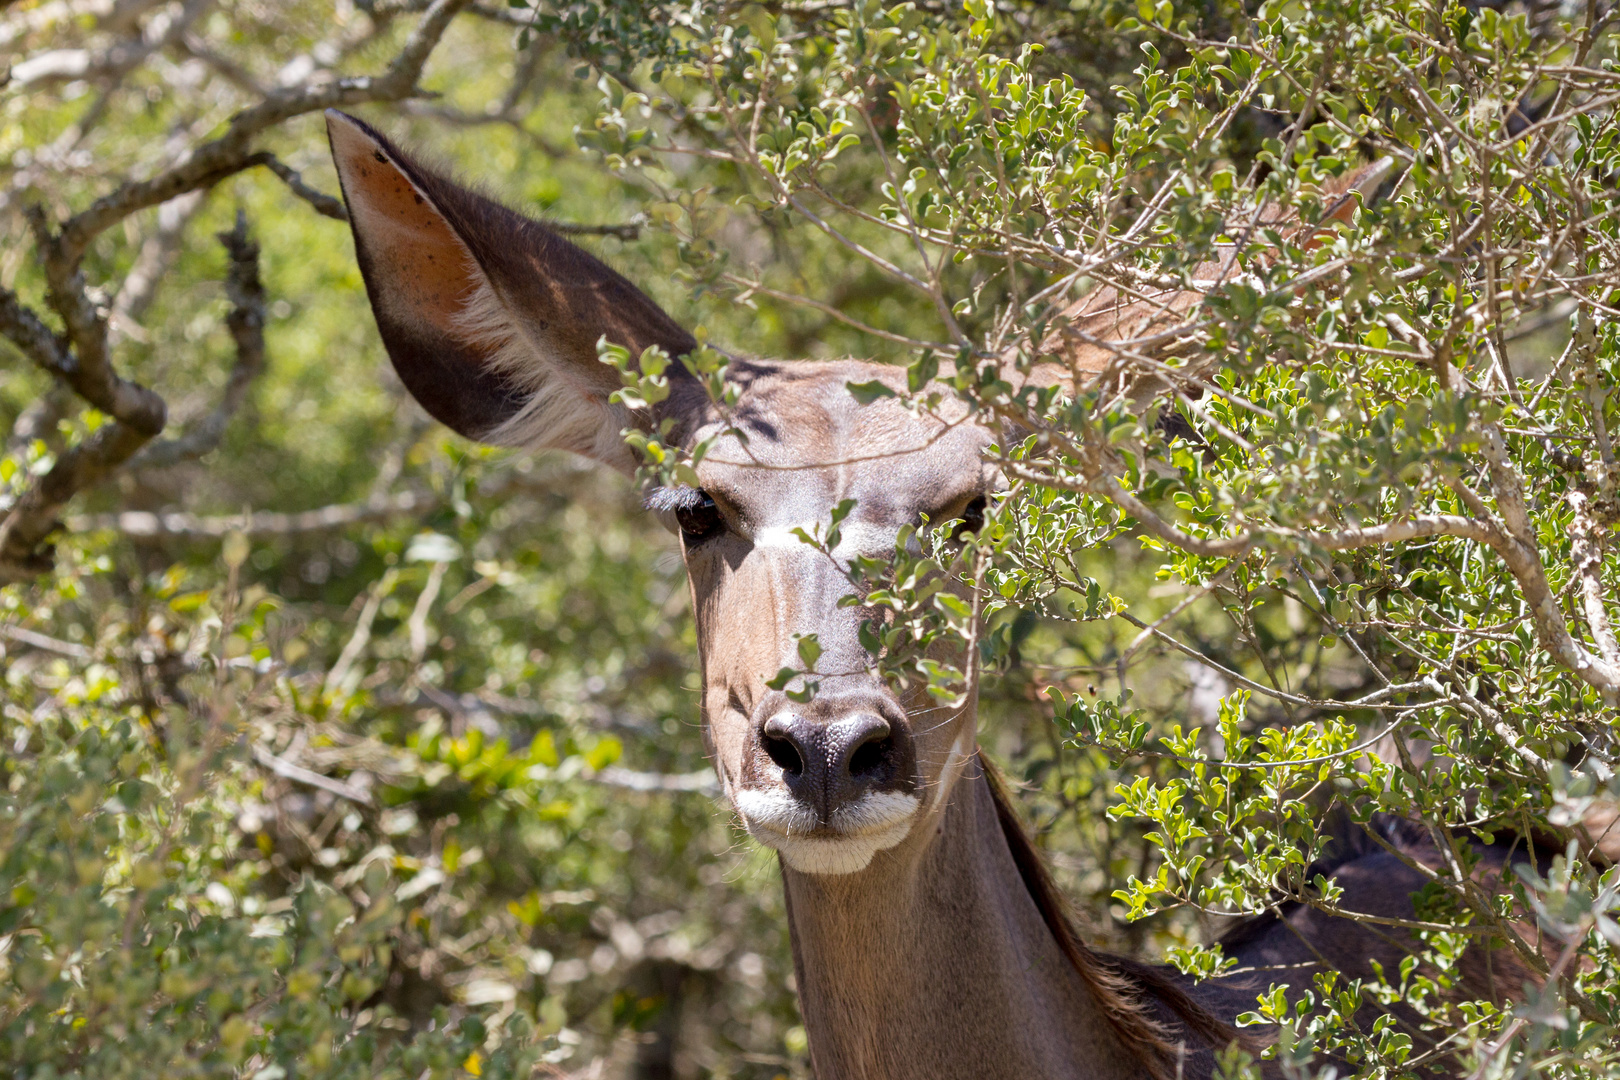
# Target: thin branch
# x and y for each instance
(424, 606)
(627, 232)
(126, 53)
(88, 368)
(34, 639)
(80, 356)
(152, 262)
(748, 285)
(34, 516)
(229, 154)
(362, 633)
(324, 204)
(297, 773)
(1587, 543)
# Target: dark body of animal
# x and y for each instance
(928, 939)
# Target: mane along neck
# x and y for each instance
(1143, 1004)
(953, 955)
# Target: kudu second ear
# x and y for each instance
(491, 319)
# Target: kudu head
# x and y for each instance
(492, 321)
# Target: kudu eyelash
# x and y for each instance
(668, 499)
(695, 511)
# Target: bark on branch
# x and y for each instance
(1522, 559)
(324, 204)
(80, 355)
(231, 153)
(23, 554)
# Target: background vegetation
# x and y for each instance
(334, 745)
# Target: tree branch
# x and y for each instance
(34, 516)
(1587, 543)
(157, 254)
(324, 204)
(80, 356)
(298, 774)
(88, 368)
(1523, 561)
(229, 154)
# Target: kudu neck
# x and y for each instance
(934, 962)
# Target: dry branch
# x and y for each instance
(297, 773)
(231, 153)
(324, 204)
(80, 355)
(33, 518)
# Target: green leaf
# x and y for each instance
(809, 651)
(868, 392)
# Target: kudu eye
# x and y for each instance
(972, 517)
(700, 519)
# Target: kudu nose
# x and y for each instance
(828, 766)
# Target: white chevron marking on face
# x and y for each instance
(854, 537)
(859, 831)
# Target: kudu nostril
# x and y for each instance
(871, 758)
(785, 754)
(785, 738)
(866, 744)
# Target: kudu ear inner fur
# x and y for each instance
(490, 318)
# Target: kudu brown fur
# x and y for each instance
(928, 939)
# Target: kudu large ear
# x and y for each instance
(491, 319)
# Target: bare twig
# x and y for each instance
(33, 518)
(230, 154)
(362, 633)
(156, 256)
(630, 230)
(126, 52)
(1587, 537)
(299, 774)
(36, 640)
(324, 204)
(80, 356)
(419, 614)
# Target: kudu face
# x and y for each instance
(830, 781)
(492, 323)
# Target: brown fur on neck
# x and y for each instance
(1125, 989)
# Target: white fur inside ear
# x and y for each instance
(871, 824)
(560, 412)
(435, 285)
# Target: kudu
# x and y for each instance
(928, 939)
